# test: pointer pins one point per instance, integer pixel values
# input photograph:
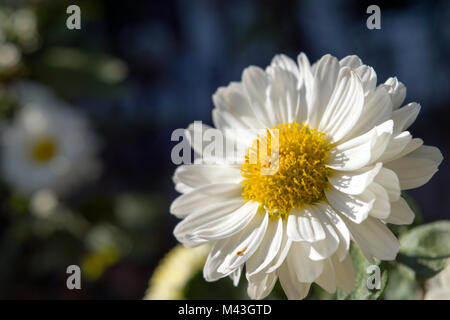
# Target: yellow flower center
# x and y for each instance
(285, 168)
(43, 150)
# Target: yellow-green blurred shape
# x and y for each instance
(174, 272)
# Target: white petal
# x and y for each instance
(353, 154)
(345, 273)
(351, 61)
(204, 196)
(268, 249)
(389, 181)
(395, 146)
(303, 225)
(381, 207)
(354, 182)
(215, 222)
(306, 76)
(323, 249)
(283, 96)
(405, 116)
(285, 246)
(213, 261)
(384, 134)
(401, 213)
(325, 77)
(410, 147)
(397, 91)
(327, 279)
(234, 100)
(344, 107)
(293, 289)
(285, 63)
(376, 110)
(305, 269)
(341, 230)
(260, 285)
(255, 82)
(368, 78)
(197, 175)
(235, 276)
(199, 137)
(374, 239)
(224, 120)
(363, 150)
(355, 207)
(243, 245)
(416, 168)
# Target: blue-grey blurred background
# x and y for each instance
(140, 69)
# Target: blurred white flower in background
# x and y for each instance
(18, 33)
(48, 145)
(438, 287)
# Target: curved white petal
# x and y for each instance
(305, 269)
(323, 249)
(233, 99)
(306, 77)
(255, 82)
(345, 273)
(327, 279)
(351, 61)
(284, 96)
(304, 225)
(341, 230)
(260, 285)
(401, 213)
(235, 276)
(197, 175)
(204, 196)
(217, 221)
(354, 207)
(354, 182)
(389, 181)
(344, 107)
(405, 116)
(396, 145)
(397, 92)
(284, 62)
(381, 207)
(361, 151)
(294, 289)
(215, 257)
(325, 77)
(368, 78)
(243, 245)
(416, 168)
(285, 246)
(268, 248)
(374, 239)
(376, 110)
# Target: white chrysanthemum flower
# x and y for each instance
(344, 156)
(48, 145)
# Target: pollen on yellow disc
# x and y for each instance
(43, 150)
(285, 168)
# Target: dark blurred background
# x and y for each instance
(140, 69)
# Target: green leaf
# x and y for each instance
(402, 283)
(426, 248)
(361, 291)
